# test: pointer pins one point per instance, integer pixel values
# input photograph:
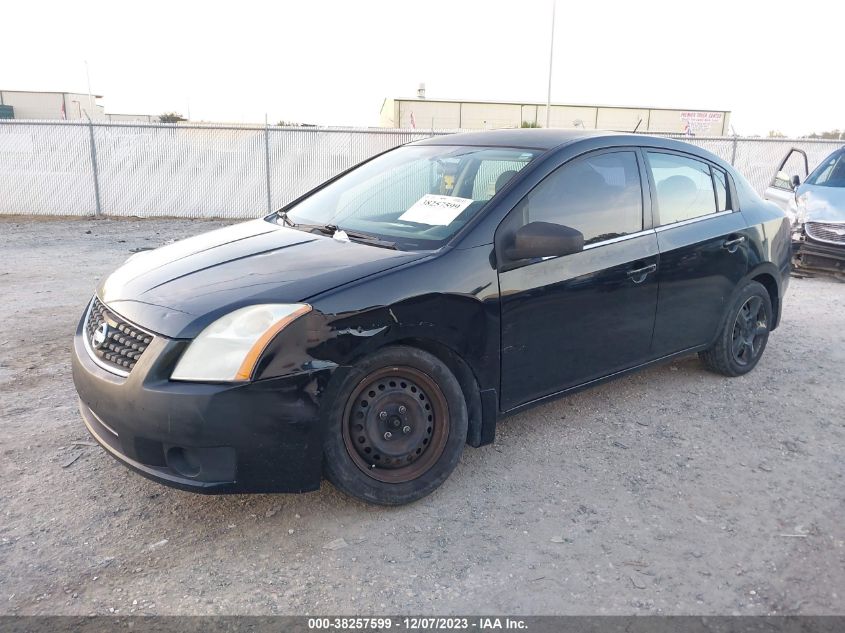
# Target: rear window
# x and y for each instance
(721, 183)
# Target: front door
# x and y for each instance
(568, 320)
(782, 190)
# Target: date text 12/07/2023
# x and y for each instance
(420, 623)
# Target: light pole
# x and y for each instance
(90, 98)
(551, 58)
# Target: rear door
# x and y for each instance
(780, 190)
(703, 245)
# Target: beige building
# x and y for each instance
(71, 106)
(448, 114)
(51, 105)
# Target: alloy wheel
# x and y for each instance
(749, 332)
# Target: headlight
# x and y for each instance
(228, 349)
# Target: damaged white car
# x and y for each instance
(816, 210)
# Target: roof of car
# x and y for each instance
(529, 138)
(548, 139)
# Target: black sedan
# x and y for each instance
(374, 326)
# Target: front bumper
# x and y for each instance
(813, 255)
(262, 436)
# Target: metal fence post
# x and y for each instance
(733, 150)
(99, 210)
(267, 164)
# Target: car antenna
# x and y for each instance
(637, 126)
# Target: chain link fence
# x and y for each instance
(190, 170)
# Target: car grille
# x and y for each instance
(124, 342)
(833, 233)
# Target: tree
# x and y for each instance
(171, 117)
(530, 124)
(834, 134)
(776, 134)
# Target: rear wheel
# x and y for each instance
(744, 333)
(397, 427)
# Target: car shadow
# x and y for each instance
(678, 377)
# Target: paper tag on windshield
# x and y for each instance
(436, 210)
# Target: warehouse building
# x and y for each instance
(449, 114)
(70, 106)
(27, 104)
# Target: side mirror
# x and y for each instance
(796, 181)
(544, 239)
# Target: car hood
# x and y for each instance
(822, 204)
(180, 288)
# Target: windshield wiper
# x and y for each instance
(282, 216)
(364, 238)
(331, 229)
(286, 221)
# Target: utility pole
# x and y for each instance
(551, 58)
(90, 98)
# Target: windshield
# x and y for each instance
(831, 173)
(415, 196)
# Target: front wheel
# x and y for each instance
(744, 333)
(397, 427)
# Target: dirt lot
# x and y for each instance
(671, 491)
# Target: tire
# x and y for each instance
(396, 427)
(744, 333)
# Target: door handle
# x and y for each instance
(733, 245)
(638, 275)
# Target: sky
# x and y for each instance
(775, 65)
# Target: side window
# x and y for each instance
(793, 164)
(598, 195)
(782, 181)
(684, 187)
(492, 175)
(720, 180)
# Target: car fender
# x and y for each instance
(764, 270)
(443, 325)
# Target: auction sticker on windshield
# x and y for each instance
(436, 210)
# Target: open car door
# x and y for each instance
(787, 178)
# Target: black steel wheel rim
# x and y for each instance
(396, 424)
(750, 330)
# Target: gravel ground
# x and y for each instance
(671, 491)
